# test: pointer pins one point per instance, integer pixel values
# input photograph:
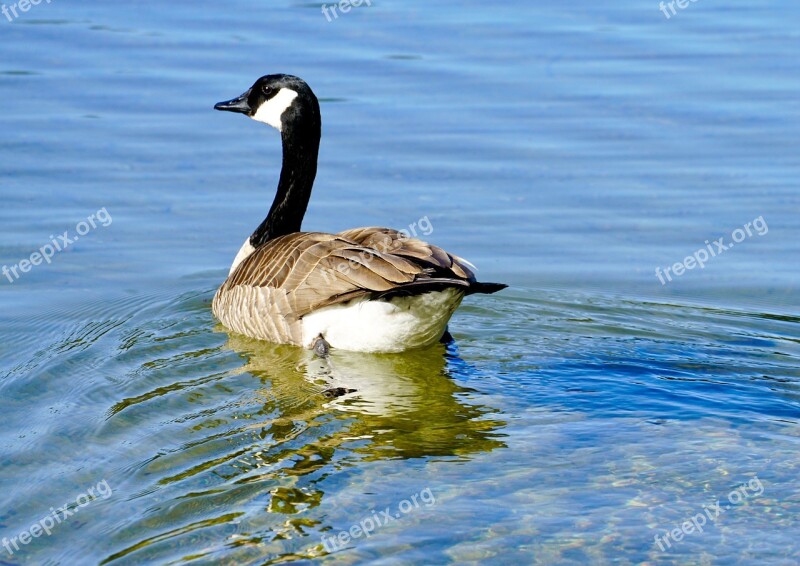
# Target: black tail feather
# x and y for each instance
(428, 285)
(422, 286)
(485, 288)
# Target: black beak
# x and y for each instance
(236, 105)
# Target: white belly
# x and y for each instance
(384, 326)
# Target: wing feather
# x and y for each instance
(316, 269)
(290, 276)
(284, 279)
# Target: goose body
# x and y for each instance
(366, 289)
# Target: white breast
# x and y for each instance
(246, 249)
(384, 326)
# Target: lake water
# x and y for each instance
(568, 149)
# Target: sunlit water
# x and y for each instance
(567, 149)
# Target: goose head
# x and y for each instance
(288, 104)
(280, 101)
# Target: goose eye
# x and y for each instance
(267, 90)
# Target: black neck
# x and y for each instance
(300, 138)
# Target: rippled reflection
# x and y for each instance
(261, 443)
(402, 404)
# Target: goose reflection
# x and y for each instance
(400, 405)
(263, 450)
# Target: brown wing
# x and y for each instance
(314, 270)
(413, 249)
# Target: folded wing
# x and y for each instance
(315, 270)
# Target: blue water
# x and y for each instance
(568, 149)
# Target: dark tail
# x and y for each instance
(485, 288)
(428, 285)
(422, 286)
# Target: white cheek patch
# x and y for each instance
(270, 112)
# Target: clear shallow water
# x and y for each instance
(567, 149)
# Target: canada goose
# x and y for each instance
(365, 289)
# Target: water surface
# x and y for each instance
(568, 149)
